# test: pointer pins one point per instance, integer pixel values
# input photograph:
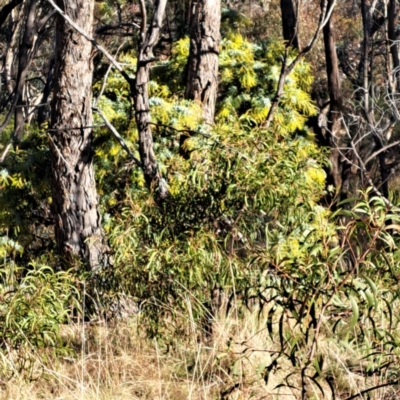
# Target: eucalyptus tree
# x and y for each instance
(75, 200)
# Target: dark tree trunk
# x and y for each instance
(202, 67)
(75, 204)
(149, 38)
(188, 12)
(289, 23)
(335, 98)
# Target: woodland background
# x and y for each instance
(199, 199)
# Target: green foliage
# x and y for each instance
(341, 288)
(25, 193)
(35, 299)
(35, 303)
(249, 75)
(240, 181)
(244, 217)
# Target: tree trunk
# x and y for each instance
(75, 204)
(289, 23)
(149, 38)
(335, 97)
(202, 67)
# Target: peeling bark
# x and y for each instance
(75, 203)
(202, 67)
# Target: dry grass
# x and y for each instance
(115, 361)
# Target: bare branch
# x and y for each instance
(383, 149)
(104, 30)
(33, 105)
(363, 168)
(42, 23)
(117, 136)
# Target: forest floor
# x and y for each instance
(115, 361)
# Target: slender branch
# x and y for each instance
(75, 129)
(103, 30)
(32, 105)
(286, 70)
(365, 171)
(143, 25)
(383, 149)
(360, 394)
(117, 136)
(366, 174)
(59, 152)
(42, 23)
